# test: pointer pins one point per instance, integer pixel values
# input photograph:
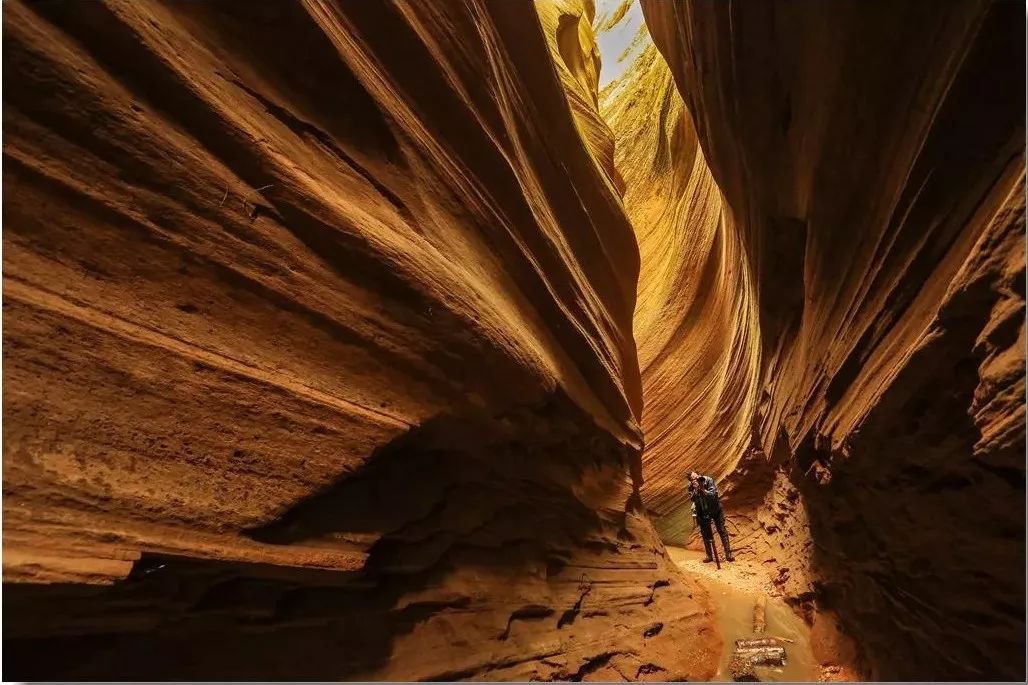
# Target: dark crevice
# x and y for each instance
(307, 130)
(569, 616)
(591, 665)
(530, 612)
(653, 590)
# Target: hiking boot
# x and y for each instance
(728, 549)
(707, 544)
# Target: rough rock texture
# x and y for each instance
(318, 359)
(871, 159)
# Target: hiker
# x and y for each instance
(706, 509)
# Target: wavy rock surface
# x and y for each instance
(871, 160)
(696, 320)
(568, 25)
(318, 358)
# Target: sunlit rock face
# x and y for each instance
(696, 319)
(871, 159)
(318, 356)
(568, 25)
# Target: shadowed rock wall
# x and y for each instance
(696, 321)
(871, 160)
(318, 358)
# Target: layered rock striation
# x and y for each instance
(696, 322)
(318, 354)
(321, 326)
(870, 162)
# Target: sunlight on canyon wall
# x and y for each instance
(695, 321)
(318, 355)
(871, 163)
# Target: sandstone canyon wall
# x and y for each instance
(318, 355)
(319, 318)
(870, 160)
(696, 321)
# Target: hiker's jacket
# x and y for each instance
(705, 499)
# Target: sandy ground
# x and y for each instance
(741, 574)
(732, 588)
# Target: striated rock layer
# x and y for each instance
(318, 356)
(695, 321)
(871, 162)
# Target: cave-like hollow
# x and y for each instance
(361, 339)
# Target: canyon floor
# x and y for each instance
(735, 589)
(374, 339)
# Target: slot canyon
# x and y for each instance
(374, 339)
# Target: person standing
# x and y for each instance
(706, 509)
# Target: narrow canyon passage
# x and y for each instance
(374, 339)
(747, 608)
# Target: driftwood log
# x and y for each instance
(756, 651)
(759, 615)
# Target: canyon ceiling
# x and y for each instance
(371, 339)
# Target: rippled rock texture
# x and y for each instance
(696, 323)
(319, 320)
(870, 161)
(318, 355)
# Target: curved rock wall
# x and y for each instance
(568, 25)
(318, 358)
(318, 335)
(696, 320)
(871, 157)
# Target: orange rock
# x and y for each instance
(871, 161)
(318, 354)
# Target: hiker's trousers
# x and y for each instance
(718, 520)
